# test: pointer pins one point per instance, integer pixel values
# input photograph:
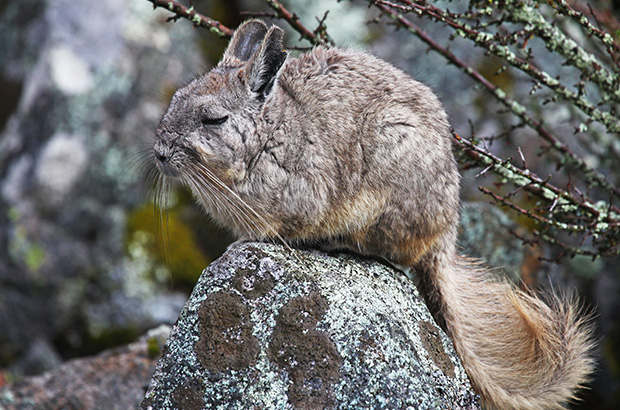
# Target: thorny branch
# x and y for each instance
(198, 19)
(505, 29)
(596, 219)
(613, 48)
(319, 36)
(316, 37)
(492, 43)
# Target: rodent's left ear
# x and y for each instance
(262, 70)
(247, 39)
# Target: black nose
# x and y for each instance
(161, 157)
(162, 151)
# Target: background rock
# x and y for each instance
(269, 327)
(115, 379)
(86, 83)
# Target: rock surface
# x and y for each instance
(115, 379)
(267, 327)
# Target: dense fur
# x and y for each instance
(341, 149)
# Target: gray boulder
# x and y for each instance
(114, 379)
(273, 328)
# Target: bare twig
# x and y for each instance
(315, 37)
(190, 14)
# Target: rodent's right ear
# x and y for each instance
(247, 39)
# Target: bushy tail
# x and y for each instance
(519, 352)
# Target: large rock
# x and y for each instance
(268, 327)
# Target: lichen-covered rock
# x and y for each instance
(114, 379)
(267, 327)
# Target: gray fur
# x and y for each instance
(341, 149)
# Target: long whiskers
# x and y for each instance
(253, 222)
(212, 192)
(210, 196)
(154, 188)
(161, 201)
(139, 164)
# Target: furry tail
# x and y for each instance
(519, 352)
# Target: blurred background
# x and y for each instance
(85, 263)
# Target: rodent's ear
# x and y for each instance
(262, 70)
(247, 39)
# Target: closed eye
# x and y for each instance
(214, 121)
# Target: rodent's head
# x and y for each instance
(210, 125)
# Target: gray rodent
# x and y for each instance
(338, 148)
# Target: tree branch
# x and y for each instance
(190, 14)
(316, 37)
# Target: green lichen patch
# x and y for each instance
(25, 251)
